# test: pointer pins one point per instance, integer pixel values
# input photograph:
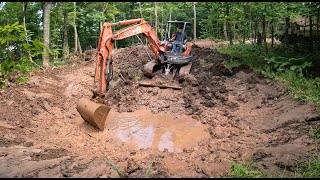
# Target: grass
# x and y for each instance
(315, 133)
(239, 170)
(309, 168)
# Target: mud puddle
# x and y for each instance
(142, 129)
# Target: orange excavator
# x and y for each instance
(171, 54)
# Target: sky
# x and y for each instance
(1, 5)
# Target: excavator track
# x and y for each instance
(148, 68)
(185, 70)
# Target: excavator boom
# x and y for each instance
(107, 38)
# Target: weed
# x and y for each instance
(114, 167)
(139, 76)
(315, 133)
(150, 167)
(309, 168)
(243, 171)
(232, 63)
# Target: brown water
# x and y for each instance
(142, 129)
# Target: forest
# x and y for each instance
(249, 108)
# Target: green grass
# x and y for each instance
(315, 133)
(239, 170)
(308, 169)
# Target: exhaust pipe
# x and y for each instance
(94, 113)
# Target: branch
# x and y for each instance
(144, 48)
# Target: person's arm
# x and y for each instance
(185, 38)
(175, 36)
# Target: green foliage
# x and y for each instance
(243, 171)
(14, 49)
(281, 64)
(315, 132)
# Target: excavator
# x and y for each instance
(178, 59)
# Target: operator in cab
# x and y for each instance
(179, 37)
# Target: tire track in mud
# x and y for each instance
(247, 116)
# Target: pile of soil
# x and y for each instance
(247, 117)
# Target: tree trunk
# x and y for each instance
(229, 30)
(256, 31)
(79, 46)
(169, 25)
(311, 38)
(225, 30)
(264, 33)
(194, 22)
(244, 34)
(286, 34)
(46, 34)
(162, 24)
(317, 33)
(272, 34)
(304, 27)
(264, 29)
(140, 10)
(75, 28)
(55, 38)
(156, 17)
(24, 9)
(218, 28)
(114, 20)
(65, 53)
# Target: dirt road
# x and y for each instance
(219, 115)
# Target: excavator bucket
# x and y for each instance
(94, 113)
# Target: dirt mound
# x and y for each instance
(130, 61)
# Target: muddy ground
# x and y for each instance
(219, 115)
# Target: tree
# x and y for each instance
(65, 53)
(156, 17)
(194, 21)
(46, 34)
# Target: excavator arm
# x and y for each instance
(105, 45)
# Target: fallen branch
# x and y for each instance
(129, 54)
(144, 47)
(160, 86)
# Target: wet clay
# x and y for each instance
(142, 129)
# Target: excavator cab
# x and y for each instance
(170, 35)
(178, 53)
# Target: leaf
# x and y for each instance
(26, 46)
(15, 24)
(114, 167)
(150, 166)
(293, 68)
